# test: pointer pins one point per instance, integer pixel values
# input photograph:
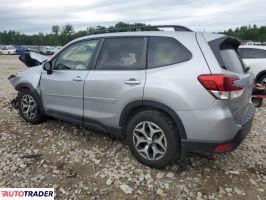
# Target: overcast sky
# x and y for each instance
(33, 16)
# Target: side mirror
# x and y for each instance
(48, 67)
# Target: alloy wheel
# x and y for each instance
(149, 140)
(28, 106)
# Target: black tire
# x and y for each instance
(261, 79)
(38, 115)
(170, 132)
(257, 102)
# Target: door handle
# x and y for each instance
(132, 81)
(77, 79)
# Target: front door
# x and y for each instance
(62, 91)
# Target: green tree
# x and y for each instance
(55, 29)
(68, 29)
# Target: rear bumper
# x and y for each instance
(221, 146)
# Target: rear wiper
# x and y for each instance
(246, 69)
(44, 61)
(224, 67)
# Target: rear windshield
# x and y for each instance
(232, 61)
(225, 51)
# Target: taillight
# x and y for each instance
(221, 85)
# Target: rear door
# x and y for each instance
(117, 79)
(225, 50)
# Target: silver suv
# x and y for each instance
(163, 91)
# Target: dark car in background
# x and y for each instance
(20, 50)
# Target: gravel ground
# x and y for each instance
(84, 164)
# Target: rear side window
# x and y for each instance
(250, 53)
(122, 54)
(231, 59)
(166, 51)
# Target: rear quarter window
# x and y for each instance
(164, 51)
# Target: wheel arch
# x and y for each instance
(22, 86)
(133, 107)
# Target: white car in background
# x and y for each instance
(48, 50)
(8, 51)
(1, 51)
(254, 57)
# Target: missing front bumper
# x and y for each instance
(14, 103)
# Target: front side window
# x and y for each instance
(250, 53)
(122, 54)
(166, 51)
(76, 57)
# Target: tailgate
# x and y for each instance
(226, 53)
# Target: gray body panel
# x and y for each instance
(61, 94)
(31, 77)
(106, 94)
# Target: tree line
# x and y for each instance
(253, 33)
(58, 36)
(62, 35)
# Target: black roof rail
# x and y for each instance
(142, 28)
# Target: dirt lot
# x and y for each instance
(83, 164)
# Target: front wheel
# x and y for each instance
(153, 138)
(29, 107)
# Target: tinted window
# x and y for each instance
(76, 57)
(232, 60)
(166, 51)
(249, 53)
(122, 54)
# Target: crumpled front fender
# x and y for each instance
(29, 78)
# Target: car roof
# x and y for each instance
(136, 33)
(253, 47)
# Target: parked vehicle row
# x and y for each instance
(7, 50)
(12, 50)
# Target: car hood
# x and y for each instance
(32, 59)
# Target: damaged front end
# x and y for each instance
(30, 78)
(14, 102)
(32, 59)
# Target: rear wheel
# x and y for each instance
(29, 107)
(153, 139)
